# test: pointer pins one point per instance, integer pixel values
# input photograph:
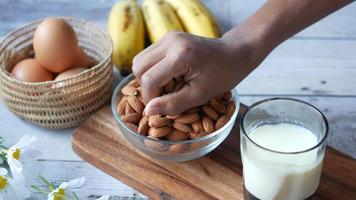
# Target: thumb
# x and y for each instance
(174, 103)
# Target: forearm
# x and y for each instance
(277, 20)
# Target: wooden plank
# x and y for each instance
(229, 13)
(216, 176)
(97, 182)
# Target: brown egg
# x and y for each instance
(69, 73)
(30, 70)
(55, 44)
(82, 60)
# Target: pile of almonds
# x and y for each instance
(193, 123)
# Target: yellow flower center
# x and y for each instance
(16, 154)
(60, 194)
(3, 182)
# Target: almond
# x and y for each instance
(129, 90)
(177, 148)
(188, 118)
(221, 122)
(210, 112)
(172, 116)
(168, 88)
(182, 127)
(135, 103)
(143, 126)
(219, 107)
(121, 106)
(158, 121)
(227, 96)
(142, 100)
(178, 86)
(139, 90)
(134, 83)
(179, 79)
(160, 132)
(155, 145)
(177, 135)
(197, 126)
(129, 109)
(192, 110)
(132, 126)
(230, 108)
(198, 135)
(208, 125)
(133, 118)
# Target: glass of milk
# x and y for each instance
(282, 148)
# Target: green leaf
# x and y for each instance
(37, 189)
(75, 196)
(50, 186)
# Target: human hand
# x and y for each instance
(209, 67)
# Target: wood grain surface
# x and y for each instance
(215, 176)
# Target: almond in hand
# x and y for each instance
(188, 118)
(182, 127)
(168, 88)
(210, 112)
(197, 126)
(208, 125)
(129, 90)
(219, 107)
(135, 103)
(143, 126)
(121, 106)
(133, 118)
(178, 86)
(172, 116)
(221, 122)
(177, 135)
(160, 132)
(230, 108)
(158, 121)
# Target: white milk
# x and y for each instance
(269, 175)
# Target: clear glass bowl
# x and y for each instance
(172, 150)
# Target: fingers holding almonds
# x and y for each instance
(194, 123)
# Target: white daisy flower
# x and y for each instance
(10, 189)
(24, 152)
(64, 190)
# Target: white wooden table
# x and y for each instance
(318, 65)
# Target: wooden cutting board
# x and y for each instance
(216, 176)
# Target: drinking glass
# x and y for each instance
(271, 174)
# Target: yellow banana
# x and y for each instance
(126, 29)
(195, 18)
(160, 19)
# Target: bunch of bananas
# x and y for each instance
(127, 24)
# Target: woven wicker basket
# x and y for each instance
(57, 104)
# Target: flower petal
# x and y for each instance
(3, 171)
(24, 142)
(75, 183)
(51, 194)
